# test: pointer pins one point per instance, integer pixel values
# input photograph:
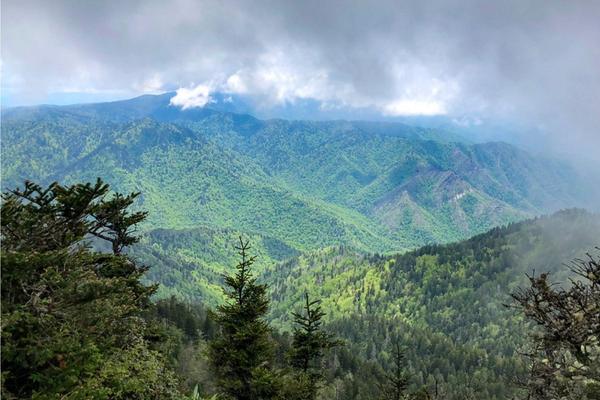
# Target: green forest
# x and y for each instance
(83, 315)
(373, 186)
(378, 260)
(299, 200)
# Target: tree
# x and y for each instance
(308, 346)
(71, 317)
(113, 222)
(565, 361)
(395, 382)
(241, 355)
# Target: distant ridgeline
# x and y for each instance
(298, 185)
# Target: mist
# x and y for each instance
(534, 64)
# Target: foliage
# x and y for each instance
(242, 352)
(316, 198)
(396, 382)
(192, 261)
(308, 346)
(444, 303)
(71, 317)
(566, 357)
(373, 186)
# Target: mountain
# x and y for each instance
(445, 302)
(373, 186)
(332, 208)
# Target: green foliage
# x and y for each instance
(308, 346)
(378, 187)
(192, 261)
(297, 189)
(71, 318)
(396, 382)
(309, 341)
(242, 352)
(444, 303)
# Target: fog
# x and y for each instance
(533, 63)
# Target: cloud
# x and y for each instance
(154, 84)
(235, 84)
(536, 61)
(414, 107)
(197, 96)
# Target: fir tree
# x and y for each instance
(115, 224)
(395, 382)
(71, 317)
(308, 347)
(241, 355)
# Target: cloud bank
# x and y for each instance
(533, 61)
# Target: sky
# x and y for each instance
(536, 62)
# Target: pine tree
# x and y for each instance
(71, 325)
(395, 383)
(308, 347)
(241, 355)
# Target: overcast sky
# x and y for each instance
(536, 62)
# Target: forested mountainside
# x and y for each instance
(444, 302)
(81, 322)
(331, 209)
(373, 186)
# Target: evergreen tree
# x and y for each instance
(308, 346)
(395, 382)
(115, 224)
(71, 317)
(241, 355)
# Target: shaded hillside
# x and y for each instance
(190, 263)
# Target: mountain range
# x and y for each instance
(403, 231)
(445, 303)
(374, 186)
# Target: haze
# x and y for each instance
(534, 63)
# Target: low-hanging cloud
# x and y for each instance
(198, 96)
(535, 61)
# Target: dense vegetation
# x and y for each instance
(72, 323)
(442, 300)
(330, 209)
(431, 323)
(378, 187)
(289, 186)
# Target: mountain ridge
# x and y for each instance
(380, 186)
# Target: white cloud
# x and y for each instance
(194, 97)
(235, 84)
(414, 107)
